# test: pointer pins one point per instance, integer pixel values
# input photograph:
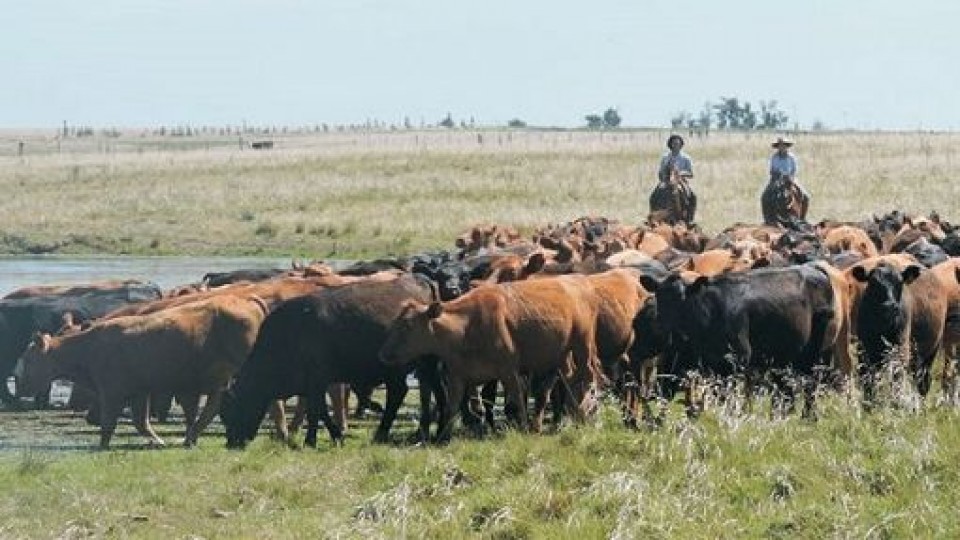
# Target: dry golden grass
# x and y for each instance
(367, 194)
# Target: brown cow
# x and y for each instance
(849, 238)
(838, 331)
(501, 332)
(949, 274)
(191, 349)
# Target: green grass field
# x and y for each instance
(889, 474)
(343, 195)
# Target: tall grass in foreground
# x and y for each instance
(887, 474)
(368, 195)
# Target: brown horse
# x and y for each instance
(782, 202)
(673, 201)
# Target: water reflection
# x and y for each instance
(167, 272)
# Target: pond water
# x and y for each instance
(167, 272)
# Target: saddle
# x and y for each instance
(672, 201)
(782, 202)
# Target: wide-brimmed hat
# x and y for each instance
(784, 141)
(675, 137)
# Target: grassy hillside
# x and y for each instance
(370, 194)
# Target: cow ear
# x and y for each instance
(910, 274)
(859, 273)
(651, 284)
(535, 264)
(434, 310)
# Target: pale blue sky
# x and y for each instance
(864, 64)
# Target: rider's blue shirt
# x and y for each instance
(669, 160)
(783, 165)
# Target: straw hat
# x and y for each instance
(782, 141)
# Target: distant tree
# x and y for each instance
(594, 121)
(818, 126)
(611, 118)
(771, 117)
(447, 122)
(705, 120)
(680, 119)
(516, 123)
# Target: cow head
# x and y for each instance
(412, 333)
(883, 295)
(242, 412)
(673, 294)
(35, 369)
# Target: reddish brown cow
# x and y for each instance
(838, 331)
(188, 350)
(849, 238)
(949, 274)
(501, 332)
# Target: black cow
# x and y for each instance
(217, 279)
(926, 252)
(22, 317)
(900, 308)
(773, 318)
(307, 343)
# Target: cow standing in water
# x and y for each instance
(188, 350)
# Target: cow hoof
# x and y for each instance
(338, 443)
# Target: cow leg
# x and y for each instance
(190, 403)
(299, 413)
(140, 411)
(488, 398)
(922, 374)
(948, 377)
(279, 419)
(160, 404)
(339, 392)
(396, 392)
(515, 403)
(210, 409)
(316, 406)
(431, 386)
(541, 388)
(455, 391)
(110, 408)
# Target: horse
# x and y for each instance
(673, 201)
(782, 203)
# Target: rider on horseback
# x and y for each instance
(676, 165)
(783, 164)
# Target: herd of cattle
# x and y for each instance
(644, 310)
